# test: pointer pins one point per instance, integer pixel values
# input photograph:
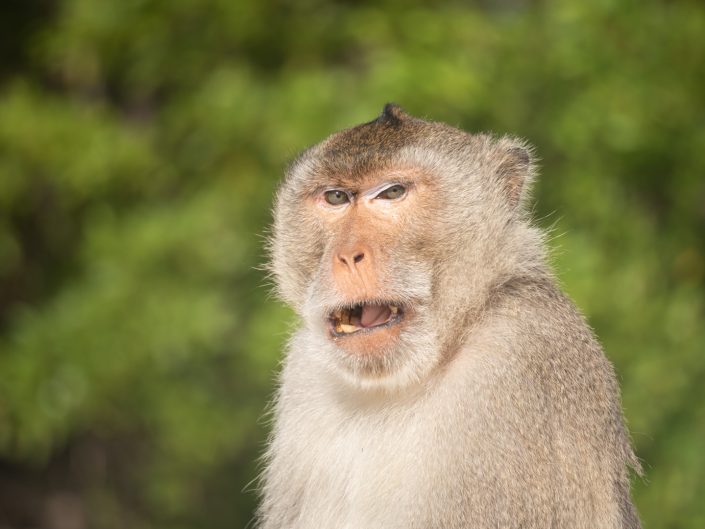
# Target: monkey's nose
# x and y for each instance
(354, 271)
(351, 258)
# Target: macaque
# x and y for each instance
(439, 378)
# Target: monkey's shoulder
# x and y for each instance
(546, 323)
(535, 339)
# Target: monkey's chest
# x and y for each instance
(357, 476)
(422, 470)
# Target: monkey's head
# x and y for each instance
(390, 237)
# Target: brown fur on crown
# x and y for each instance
(360, 149)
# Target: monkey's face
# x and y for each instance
(386, 237)
(370, 292)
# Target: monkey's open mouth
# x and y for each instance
(364, 317)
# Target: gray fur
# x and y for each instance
(498, 409)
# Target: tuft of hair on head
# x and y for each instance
(392, 114)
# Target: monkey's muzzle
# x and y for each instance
(364, 317)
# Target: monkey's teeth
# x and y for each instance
(346, 328)
(348, 321)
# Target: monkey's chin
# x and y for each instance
(390, 356)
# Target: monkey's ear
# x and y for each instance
(516, 170)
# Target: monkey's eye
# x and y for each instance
(336, 197)
(392, 192)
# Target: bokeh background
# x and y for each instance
(140, 144)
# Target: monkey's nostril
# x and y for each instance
(351, 259)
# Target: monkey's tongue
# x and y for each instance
(374, 315)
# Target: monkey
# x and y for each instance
(438, 376)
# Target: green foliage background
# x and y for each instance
(141, 141)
